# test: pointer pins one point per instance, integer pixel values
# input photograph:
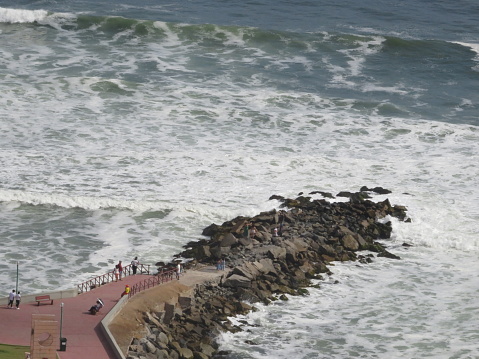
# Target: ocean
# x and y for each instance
(129, 126)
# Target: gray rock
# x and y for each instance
(276, 253)
(350, 243)
(228, 240)
(185, 353)
(198, 355)
(169, 313)
(237, 281)
(207, 349)
(163, 338)
(150, 347)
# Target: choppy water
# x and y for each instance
(128, 127)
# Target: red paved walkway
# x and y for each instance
(81, 329)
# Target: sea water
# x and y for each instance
(129, 126)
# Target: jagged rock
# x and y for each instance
(314, 233)
(324, 194)
(207, 349)
(228, 240)
(350, 243)
(378, 190)
(238, 227)
(387, 254)
(246, 242)
(169, 313)
(246, 270)
(276, 253)
(237, 281)
(151, 319)
(185, 353)
(219, 252)
(149, 347)
(163, 338)
(279, 198)
(198, 355)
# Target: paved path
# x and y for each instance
(81, 329)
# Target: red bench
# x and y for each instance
(43, 298)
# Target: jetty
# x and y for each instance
(246, 260)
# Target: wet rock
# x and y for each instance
(311, 234)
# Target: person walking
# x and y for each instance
(11, 297)
(18, 299)
(134, 265)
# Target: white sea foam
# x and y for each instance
(21, 16)
(414, 322)
(474, 47)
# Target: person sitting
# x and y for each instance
(96, 308)
(126, 291)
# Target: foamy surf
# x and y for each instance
(16, 16)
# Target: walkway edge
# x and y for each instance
(105, 323)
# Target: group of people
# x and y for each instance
(14, 296)
(118, 269)
(221, 264)
(250, 231)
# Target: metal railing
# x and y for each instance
(161, 277)
(110, 277)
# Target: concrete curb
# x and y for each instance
(104, 324)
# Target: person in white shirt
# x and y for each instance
(18, 298)
(178, 271)
(134, 264)
(11, 297)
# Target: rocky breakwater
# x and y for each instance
(268, 257)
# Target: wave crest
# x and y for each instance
(13, 197)
(17, 16)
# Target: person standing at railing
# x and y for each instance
(120, 269)
(134, 265)
(116, 272)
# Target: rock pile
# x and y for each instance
(268, 256)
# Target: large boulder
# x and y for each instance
(237, 280)
(228, 240)
(265, 266)
(247, 270)
(276, 253)
(350, 243)
(185, 353)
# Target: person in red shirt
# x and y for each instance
(120, 269)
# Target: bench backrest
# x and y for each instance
(40, 297)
